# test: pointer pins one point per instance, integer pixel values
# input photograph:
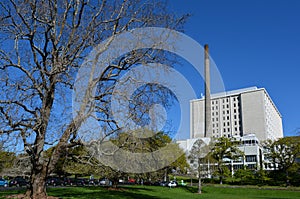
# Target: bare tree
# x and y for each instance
(43, 43)
(199, 157)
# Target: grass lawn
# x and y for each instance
(147, 192)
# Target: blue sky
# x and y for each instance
(253, 43)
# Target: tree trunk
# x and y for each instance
(199, 176)
(221, 179)
(37, 188)
(287, 179)
(115, 184)
(165, 175)
(199, 185)
(221, 174)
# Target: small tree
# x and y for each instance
(225, 148)
(199, 155)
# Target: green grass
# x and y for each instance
(152, 192)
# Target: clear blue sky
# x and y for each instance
(253, 43)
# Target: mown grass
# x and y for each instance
(152, 192)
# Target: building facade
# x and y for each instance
(249, 145)
(238, 113)
(249, 115)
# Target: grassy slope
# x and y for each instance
(147, 192)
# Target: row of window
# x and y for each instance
(224, 100)
(248, 158)
(227, 107)
(240, 166)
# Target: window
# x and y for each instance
(234, 116)
(251, 158)
(238, 166)
(224, 130)
(227, 117)
(227, 111)
(227, 106)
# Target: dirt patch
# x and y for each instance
(116, 189)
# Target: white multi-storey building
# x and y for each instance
(237, 113)
(249, 115)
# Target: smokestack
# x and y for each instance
(207, 108)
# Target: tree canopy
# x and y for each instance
(225, 149)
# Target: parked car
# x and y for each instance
(147, 183)
(172, 184)
(53, 181)
(163, 183)
(157, 183)
(3, 183)
(93, 182)
(69, 181)
(104, 182)
(18, 182)
(82, 182)
(131, 181)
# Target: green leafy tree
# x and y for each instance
(262, 177)
(225, 149)
(149, 144)
(282, 154)
(245, 175)
(7, 160)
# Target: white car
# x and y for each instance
(172, 184)
(104, 181)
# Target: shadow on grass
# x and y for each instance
(193, 189)
(96, 192)
(11, 191)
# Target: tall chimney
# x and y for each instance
(207, 108)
